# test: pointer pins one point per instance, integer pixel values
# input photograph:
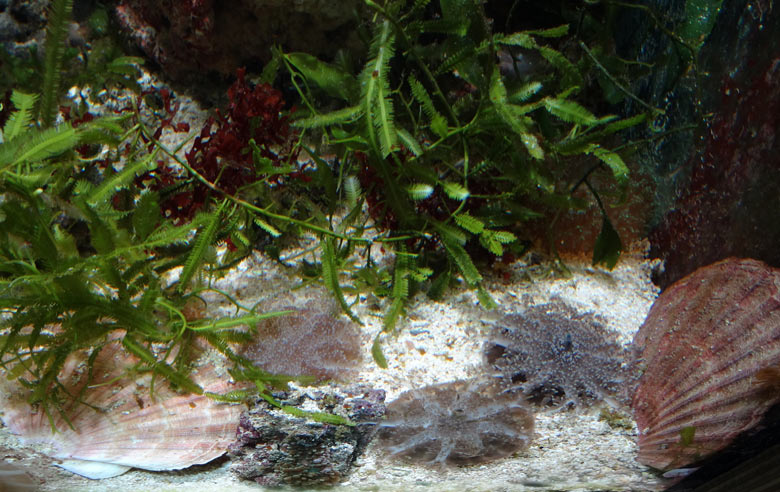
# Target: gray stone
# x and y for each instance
(276, 448)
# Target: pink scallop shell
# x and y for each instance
(120, 425)
(702, 346)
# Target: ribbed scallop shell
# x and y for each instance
(706, 348)
(121, 425)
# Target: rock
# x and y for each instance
(716, 184)
(187, 37)
(276, 448)
(21, 24)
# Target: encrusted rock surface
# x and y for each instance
(276, 448)
(716, 171)
(188, 37)
(21, 24)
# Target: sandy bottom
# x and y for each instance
(440, 342)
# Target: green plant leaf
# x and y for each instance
(456, 191)
(352, 191)
(238, 396)
(613, 161)
(330, 276)
(167, 235)
(552, 32)
(273, 231)
(160, 367)
(204, 239)
(462, 260)
(45, 144)
(485, 299)
(20, 119)
(337, 117)
(121, 179)
(531, 144)
(493, 241)
(522, 39)
(323, 417)
(103, 231)
(700, 17)
(525, 92)
(146, 214)
(125, 65)
(451, 233)
(437, 121)
(330, 78)
(687, 434)
(409, 142)
(571, 76)
(229, 323)
(419, 191)
(585, 143)
(439, 285)
(376, 353)
(608, 245)
(569, 111)
(504, 237)
(400, 290)
(420, 274)
(512, 116)
(56, 35)
(377, 103)
(470, 223)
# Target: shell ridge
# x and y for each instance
(701, 348)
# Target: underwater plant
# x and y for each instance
(441, 156)
(459, 423)
(249, 143)
(85, 252)
(449, 151)
(553, 354)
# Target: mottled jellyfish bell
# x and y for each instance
(709, 352)
(459, 423)
(310, 341)
(555, 355)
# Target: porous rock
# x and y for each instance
(276, 448)
(188, 37)
(717, 185)
(21, 23)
